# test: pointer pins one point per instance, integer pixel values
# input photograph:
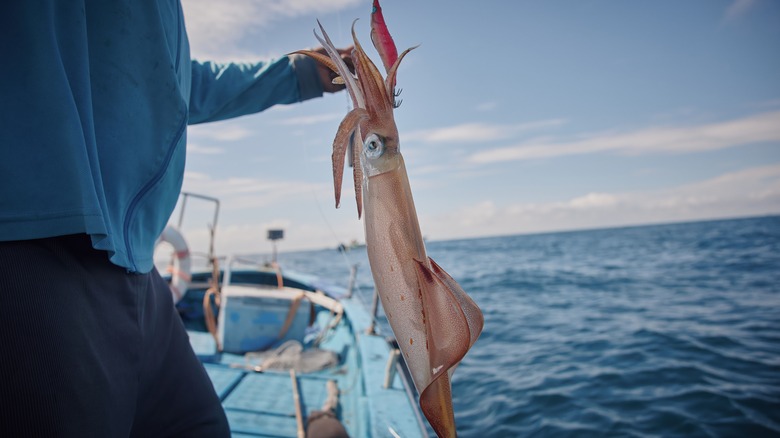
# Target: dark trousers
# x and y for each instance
(90, 350)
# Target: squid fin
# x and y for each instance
(436, 404)
(471, 311)
(452, 323)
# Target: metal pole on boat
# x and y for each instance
(186, 195)
(390, 368)
(212, 227)
(352, 277)
(371, 330)
(273, 236)
(183, 206)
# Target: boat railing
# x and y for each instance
(212, 227)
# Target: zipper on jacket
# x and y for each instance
(169, 154)
(179, 32)
(145, 189)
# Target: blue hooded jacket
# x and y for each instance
(95, 98)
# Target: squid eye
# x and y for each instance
(373, 147)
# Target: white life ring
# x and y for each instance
(180, 270)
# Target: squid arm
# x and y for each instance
(344, 136)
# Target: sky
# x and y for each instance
(517, 117)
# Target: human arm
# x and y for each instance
(221, 91)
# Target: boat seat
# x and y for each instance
(259, 318)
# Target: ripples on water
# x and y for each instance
(669, 330)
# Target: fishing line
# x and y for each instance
(347, 100)
(336, 239)
(338, 22)
(357, 292)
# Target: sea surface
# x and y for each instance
(665, 330)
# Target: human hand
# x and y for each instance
(327, 75)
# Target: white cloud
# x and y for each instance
(216, 28)
(310, 120)
(201, 137)
(225, 131)
(592, 200)
(487, 106)
(250, 238)
(753, 129)
(475, 215)
(765, 104)
(250, 206)
(241, 193)
(194, 148)
(467, 132)
(738, 8)
(753, 191)
(477, 132)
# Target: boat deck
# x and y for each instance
(261, 404)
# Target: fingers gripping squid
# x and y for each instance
(433, 319)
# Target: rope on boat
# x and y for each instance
(278, 270)
(208, 313)
(288, 320)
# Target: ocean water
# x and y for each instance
(666, 330)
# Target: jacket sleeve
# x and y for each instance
(222, 91)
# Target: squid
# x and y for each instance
(433, 319)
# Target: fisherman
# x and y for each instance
(95, 97)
